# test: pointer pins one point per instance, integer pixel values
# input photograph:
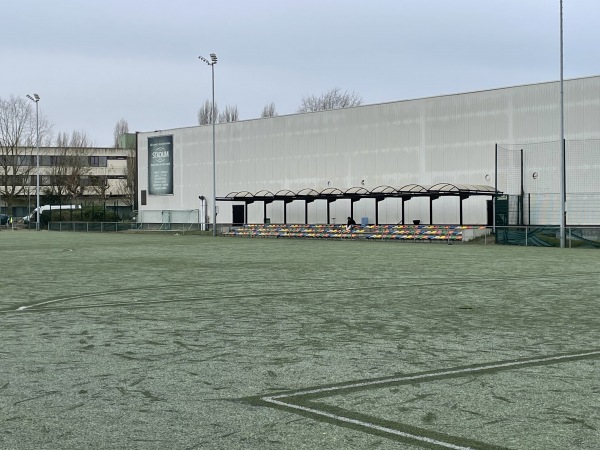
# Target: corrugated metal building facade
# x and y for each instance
(424, 141)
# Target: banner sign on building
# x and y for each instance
(160, 165)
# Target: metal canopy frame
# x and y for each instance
(354, 194)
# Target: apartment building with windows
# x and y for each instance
(85, 176)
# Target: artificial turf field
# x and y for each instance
(155, 341)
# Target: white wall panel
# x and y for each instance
(426, 141)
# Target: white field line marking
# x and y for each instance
(21, 308)
(275, 399)
(372, 426)
(316, 291)
(433, 375)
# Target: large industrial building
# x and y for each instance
(438, 160)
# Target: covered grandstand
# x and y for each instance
(355, 194)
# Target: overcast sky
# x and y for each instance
(94, 62)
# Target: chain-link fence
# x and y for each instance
(529, 176)
(170, 220)
(150, 220)
(102, 227)
(538, 236)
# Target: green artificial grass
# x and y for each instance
(156, 341)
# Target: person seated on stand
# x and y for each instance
(350, 225)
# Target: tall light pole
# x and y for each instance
(211, 63)
(563, 183)
(36, 99)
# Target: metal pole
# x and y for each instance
(211, 63)
(214, 158)
(36, 99)
(202, 212)
(522, 193)
(495, 188)
(563, 194)
(37, 177)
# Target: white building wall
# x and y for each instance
(424, 141)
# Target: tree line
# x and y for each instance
(332, 99)
(70, 171)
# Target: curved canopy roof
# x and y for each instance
(416, 188)
(462, 188)
(307, 192)
(264, 193)
(385, 190)
(357, 191)
(239, 195)
(408, 190)
(285, 193)
(331, 191)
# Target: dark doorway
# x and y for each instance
(503, 212)
(238, 215)
(490, 213)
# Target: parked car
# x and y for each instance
(4, 219)
(33, 217)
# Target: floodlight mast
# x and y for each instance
(211, 63)
(563, 189)
(36, 99)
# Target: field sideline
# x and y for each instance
(154, 341)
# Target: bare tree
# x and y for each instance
(70, 168)
(126, 187)
(269, 110)
(229, 115)
(121, 128)
(205, 113)
(334, 99)
(99, 185)
(18, 138)
(77, 139)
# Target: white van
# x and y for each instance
(32, 216)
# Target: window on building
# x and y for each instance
(98, 161)
(25, 160)
(45, 160)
